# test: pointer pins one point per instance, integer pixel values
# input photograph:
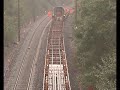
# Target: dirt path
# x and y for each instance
(71, 53)
(18, 71)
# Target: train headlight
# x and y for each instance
(53, 16)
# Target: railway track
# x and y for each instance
(32, 72)
(20, 79)
(13, 55)
(56, 76)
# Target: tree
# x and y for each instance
(96, 39)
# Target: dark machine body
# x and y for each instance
(58, 13)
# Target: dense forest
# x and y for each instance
(96, 44)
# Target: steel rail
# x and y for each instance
(55, 38)
(25, 54)
(29, 87)
(11, 56)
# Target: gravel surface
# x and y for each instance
(13, 49)
(18, 75)
(18, 65)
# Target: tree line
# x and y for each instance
(96, 44)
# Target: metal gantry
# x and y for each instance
(56, 75)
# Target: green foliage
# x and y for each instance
(96, 39)
(106, 73)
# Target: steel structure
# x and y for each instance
(56, 76)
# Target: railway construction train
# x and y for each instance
(56, 76)
(59, 13)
